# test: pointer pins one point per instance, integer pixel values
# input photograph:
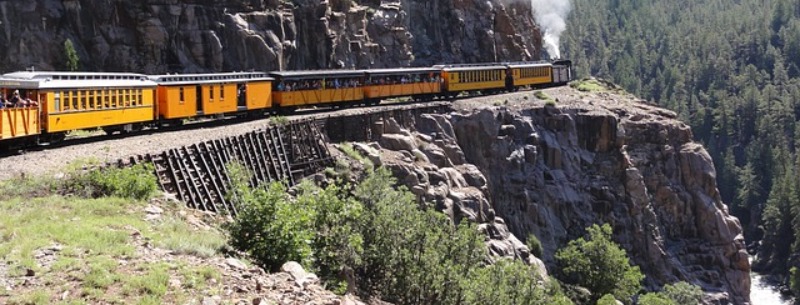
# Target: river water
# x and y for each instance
(762, 293)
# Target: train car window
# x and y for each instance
(98, 97)
(221, 92)
(84, 96)
(113, 96)
(67, 105)
(90, 100)
(74, 96)
(211, 93)
(139, 99)
(128, 97)
(57, 101)
(180, 95)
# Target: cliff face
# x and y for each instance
(158, 36)
(550, 171)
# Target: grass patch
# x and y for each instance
(588, 85)
(95, 226)
(539, 94)
(33, 298)
(196, 278)
(28, 187)
(178, 236)
(80, 179)
(279, 120)
(101, 274)
(85, 133)
(350, 151)
(151, 284)
(91, 216)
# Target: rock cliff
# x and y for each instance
(518, 167)
(158, 36)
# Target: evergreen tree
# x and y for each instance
(73, 61)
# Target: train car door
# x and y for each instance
(241, 96)
(199, 96)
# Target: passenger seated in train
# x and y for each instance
(14, 99)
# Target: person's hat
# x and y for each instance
(16, 92)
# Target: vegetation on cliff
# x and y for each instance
(732, 71)
(600, 265)
(379, 240)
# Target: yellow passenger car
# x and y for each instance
(189, 95)
(310, 88)
(75, 100)
(532, 74)
(458, 78)
(419, 83)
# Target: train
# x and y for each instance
(48, 105)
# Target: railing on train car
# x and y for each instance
(19, 122)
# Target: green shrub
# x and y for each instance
(683, 293)
(794, 280)
(135, 182)
(588, 85)
(270, 228)
(397, 251)
(600, 265)
(350, 151)
(279, 120)
(535, 245)
(542, 96)
(607, 299)
(511, 282)
(337, 242)
(657, 299)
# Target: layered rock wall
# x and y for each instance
(553, 171)
(159, 36)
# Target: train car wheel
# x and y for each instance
(52, 138)
(286, 110)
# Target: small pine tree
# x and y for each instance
(73, 61)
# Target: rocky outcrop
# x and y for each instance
(158, 36)
(551, 171)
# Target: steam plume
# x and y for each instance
(551, 15)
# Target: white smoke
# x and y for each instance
(551, 15)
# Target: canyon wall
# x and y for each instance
(518, 167)
(168, 36)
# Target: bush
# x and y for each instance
(396, 250)
(794, 280)
(542, 96)
(657, 299)
(607, 300)
(135, 182)
(271, 228)
(683, 293)
(535, 245)
(412, 255)
(511, 282)
(600, 265)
